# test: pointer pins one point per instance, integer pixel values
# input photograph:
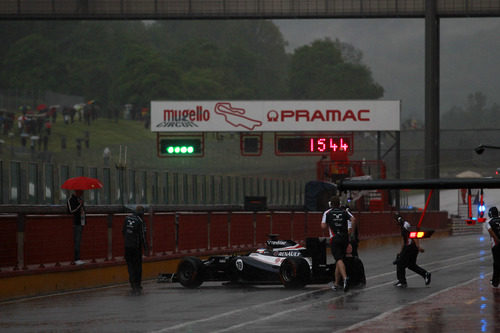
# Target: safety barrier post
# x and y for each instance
(151, 231)
(208, 230)
(254, 243)
(110, 257)
(229, 220)
(20, 242)
(176, 232)
(228, 228)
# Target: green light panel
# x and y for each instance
(181, 147)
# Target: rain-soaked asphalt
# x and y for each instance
(459, 298)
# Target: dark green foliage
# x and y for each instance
(120, 62)
(319, 71)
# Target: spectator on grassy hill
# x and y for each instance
(52, 114)
(87, 110)
(8, 123)
(72, 113)
(48, 126)
(66, 112)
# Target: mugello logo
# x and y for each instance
(184, 118)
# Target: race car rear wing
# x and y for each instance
(422, 184)
(427, 184)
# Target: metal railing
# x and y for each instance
(38, 182)
(179, 9)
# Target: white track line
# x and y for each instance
(246, 309)
(388, 313)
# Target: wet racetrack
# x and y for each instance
(459, 298)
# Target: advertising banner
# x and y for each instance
(274, 116)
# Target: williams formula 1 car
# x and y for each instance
(282, 261)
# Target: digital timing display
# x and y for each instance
(312, 144)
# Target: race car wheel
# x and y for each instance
(189, 272)
(294, 272)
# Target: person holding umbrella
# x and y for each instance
(77, 208)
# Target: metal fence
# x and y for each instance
(29, 182)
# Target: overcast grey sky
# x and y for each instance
(394, 50)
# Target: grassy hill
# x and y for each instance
(222, 151)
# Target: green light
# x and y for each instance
(180, 150)
(181, 147)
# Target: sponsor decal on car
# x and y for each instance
(286, 253)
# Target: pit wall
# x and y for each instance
(36, 251)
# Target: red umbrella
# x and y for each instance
(81, 183)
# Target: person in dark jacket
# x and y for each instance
(134, 235)
(407, 257)
(493, 227)
(337, 220)
(76, 207)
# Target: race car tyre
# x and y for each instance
(189, 272)
(294, 272)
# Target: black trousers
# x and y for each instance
(77, 237)
(495, 250)
(354, 244)
(133, 256)
(408, 259)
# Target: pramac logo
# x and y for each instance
(318, 115)
(272, 116)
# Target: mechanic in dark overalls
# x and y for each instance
(493, 227)
(336, 220)
(407, 258)
(134, 235)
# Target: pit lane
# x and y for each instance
(459, 295)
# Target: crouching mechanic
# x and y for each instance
(134, 235)
(337, 221)
(493, 226)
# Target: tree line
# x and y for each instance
(121, 62)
